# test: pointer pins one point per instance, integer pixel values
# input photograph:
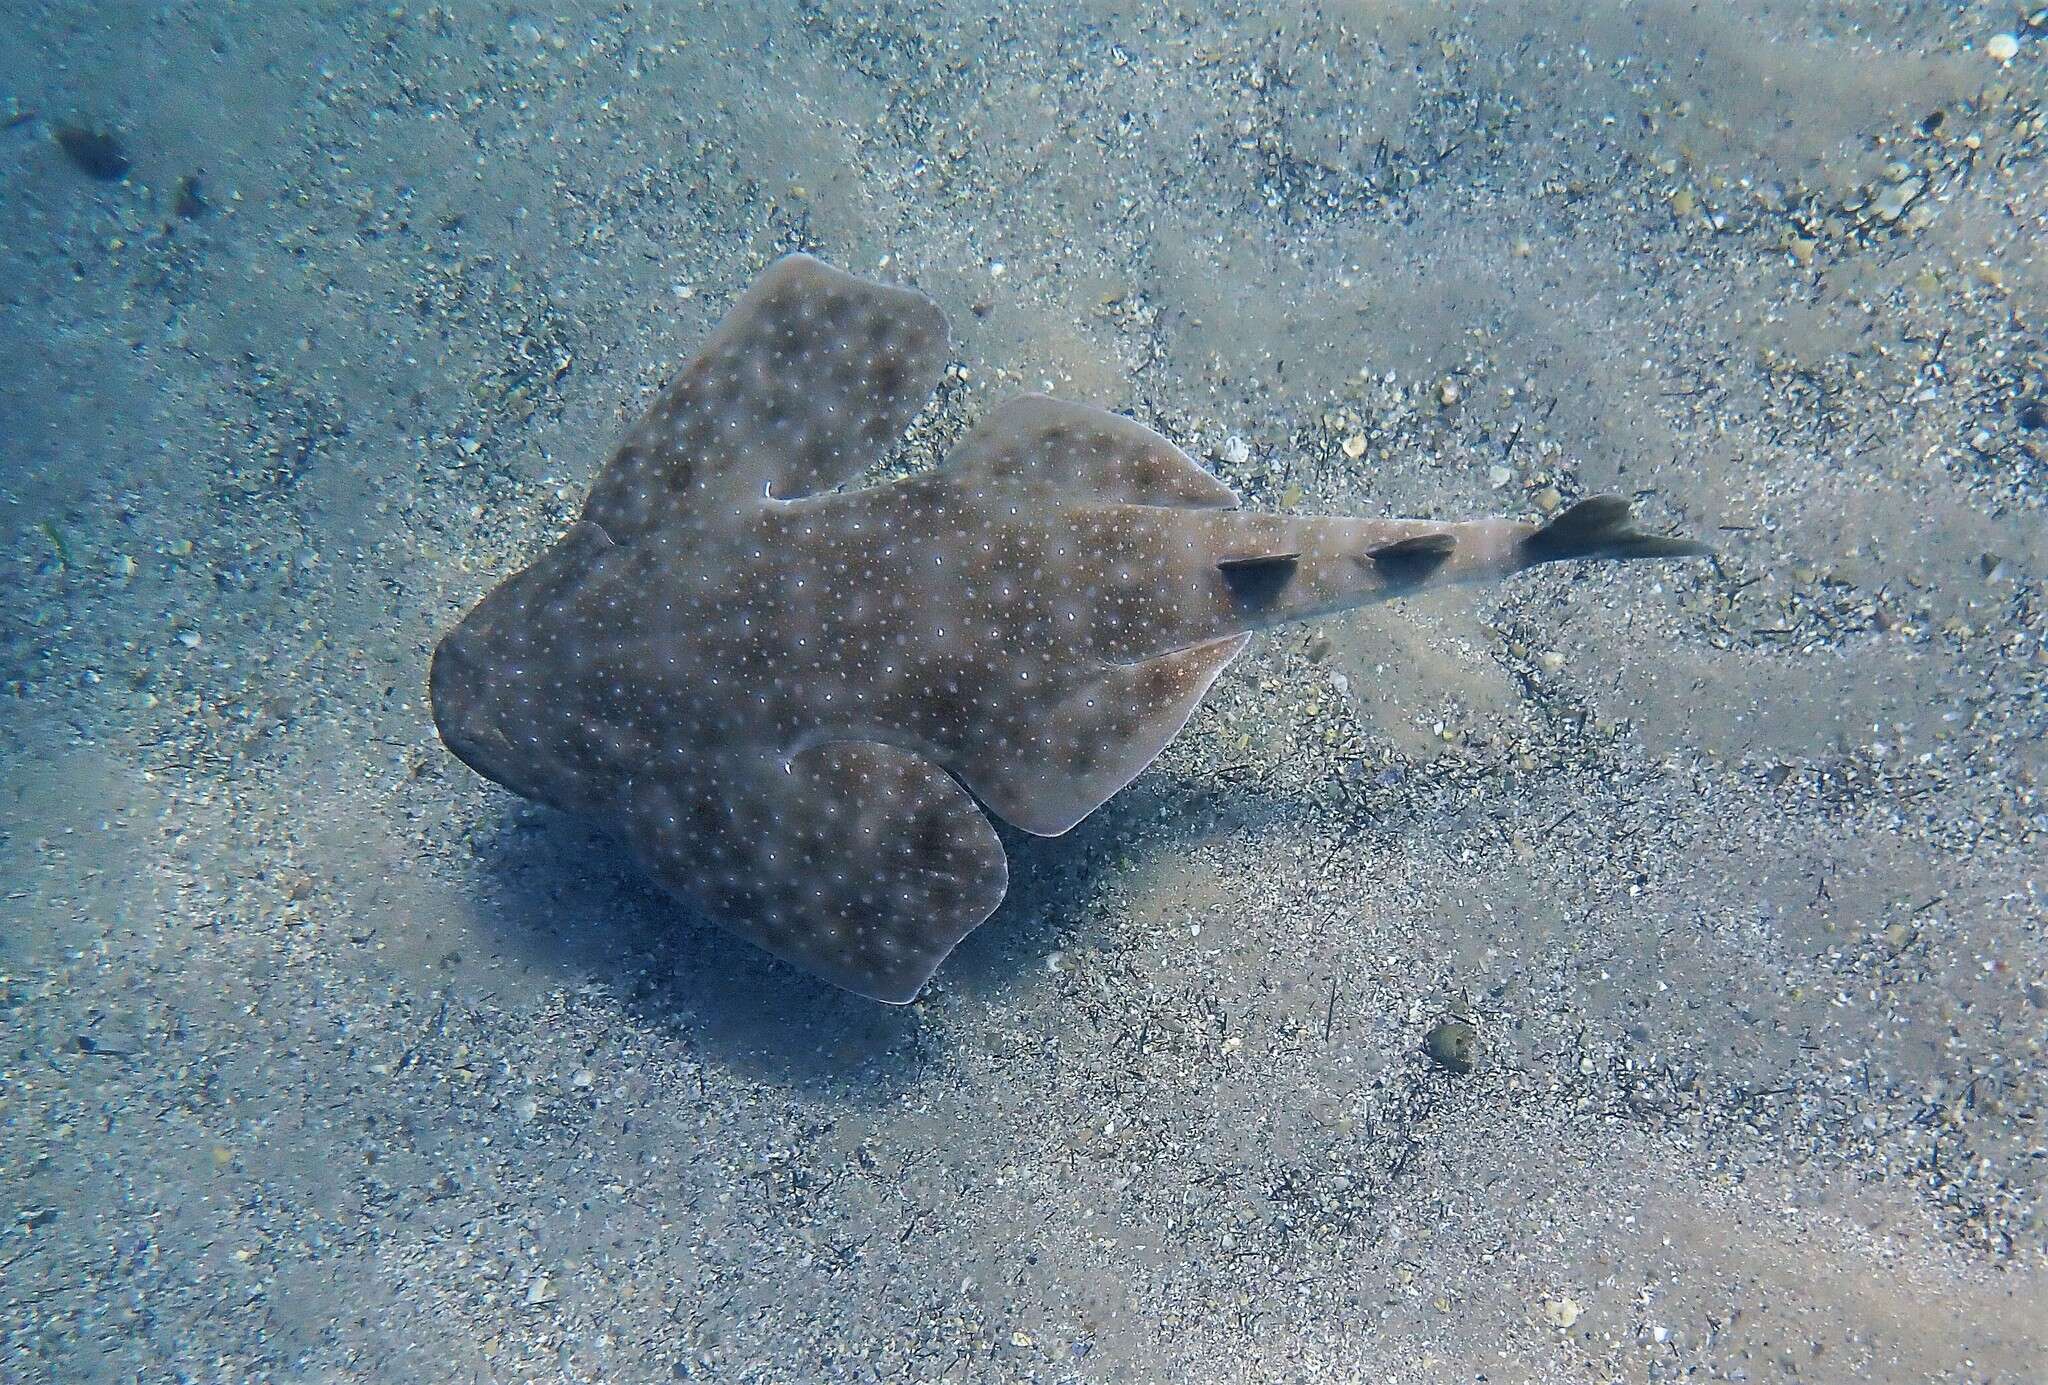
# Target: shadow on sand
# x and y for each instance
(563, 898)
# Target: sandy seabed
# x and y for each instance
(322, 1059)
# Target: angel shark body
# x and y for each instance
(789, 697)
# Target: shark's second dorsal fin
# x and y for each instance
(1413, 559)
(809, 378)
(1036, 443)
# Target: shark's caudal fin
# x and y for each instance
(1601, 526)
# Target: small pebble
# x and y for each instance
(1498, 477)
(1547, 499)
(1891, 203)
(1354, 446)
(2002, 48)
(1452, 1045)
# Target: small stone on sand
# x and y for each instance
(1452, 1045)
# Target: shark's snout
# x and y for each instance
(461, 707)
(474, 708)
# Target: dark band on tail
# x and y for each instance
(1258, 579)
(1412, 559)
(1600, 526)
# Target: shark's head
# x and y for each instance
(468, 713)
(499, 684)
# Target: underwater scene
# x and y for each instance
(883, 691)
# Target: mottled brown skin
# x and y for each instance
(777, 690)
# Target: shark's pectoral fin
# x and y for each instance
(859, 862)
(1036, 443)
(1045, 766)
(808, 379)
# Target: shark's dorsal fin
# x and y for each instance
(1256, 578)
(809, 378)
(1036, 443)
(1413, 559)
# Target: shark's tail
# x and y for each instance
(1601, 526)
(1273, 569)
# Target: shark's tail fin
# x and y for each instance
(1601, 526)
